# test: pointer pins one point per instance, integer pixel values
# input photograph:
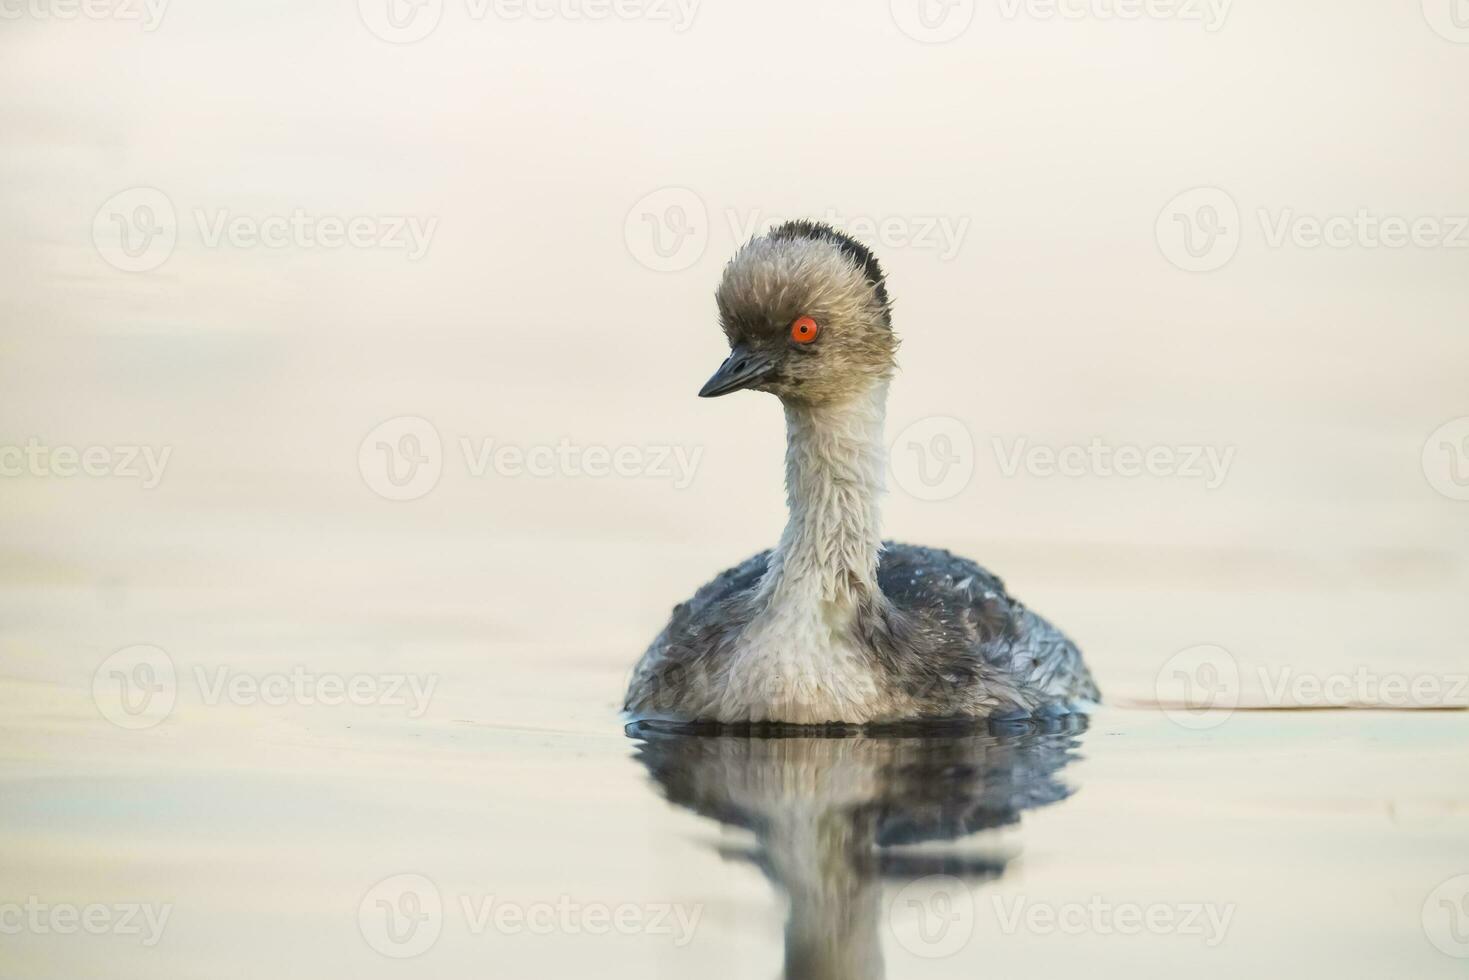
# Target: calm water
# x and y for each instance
(269, 707)
(292, 841)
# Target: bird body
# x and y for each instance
(833, 625)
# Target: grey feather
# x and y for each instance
(947, 642)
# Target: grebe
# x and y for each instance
(834, 625)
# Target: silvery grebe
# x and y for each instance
(835, 626)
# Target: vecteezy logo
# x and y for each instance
(401, 21)
(1446, 459)
(668, 230)
(933, 916)
(402, 458)
(932, 21)
(1199, 230)
(135, 230)
(135, 688)
(933, 459)
(1446, 917)
(1448, 18)
(1198, 687)
(401, 916)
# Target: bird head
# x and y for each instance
(806, 312)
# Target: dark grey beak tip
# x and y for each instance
(742, 369)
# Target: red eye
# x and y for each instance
(804, 330)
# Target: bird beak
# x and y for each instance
(742, 369)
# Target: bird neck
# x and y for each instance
(835, 460)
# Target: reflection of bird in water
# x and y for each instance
(834, 625)
(830, 815)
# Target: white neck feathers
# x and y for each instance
(835, 461)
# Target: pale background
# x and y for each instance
(535, 316)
